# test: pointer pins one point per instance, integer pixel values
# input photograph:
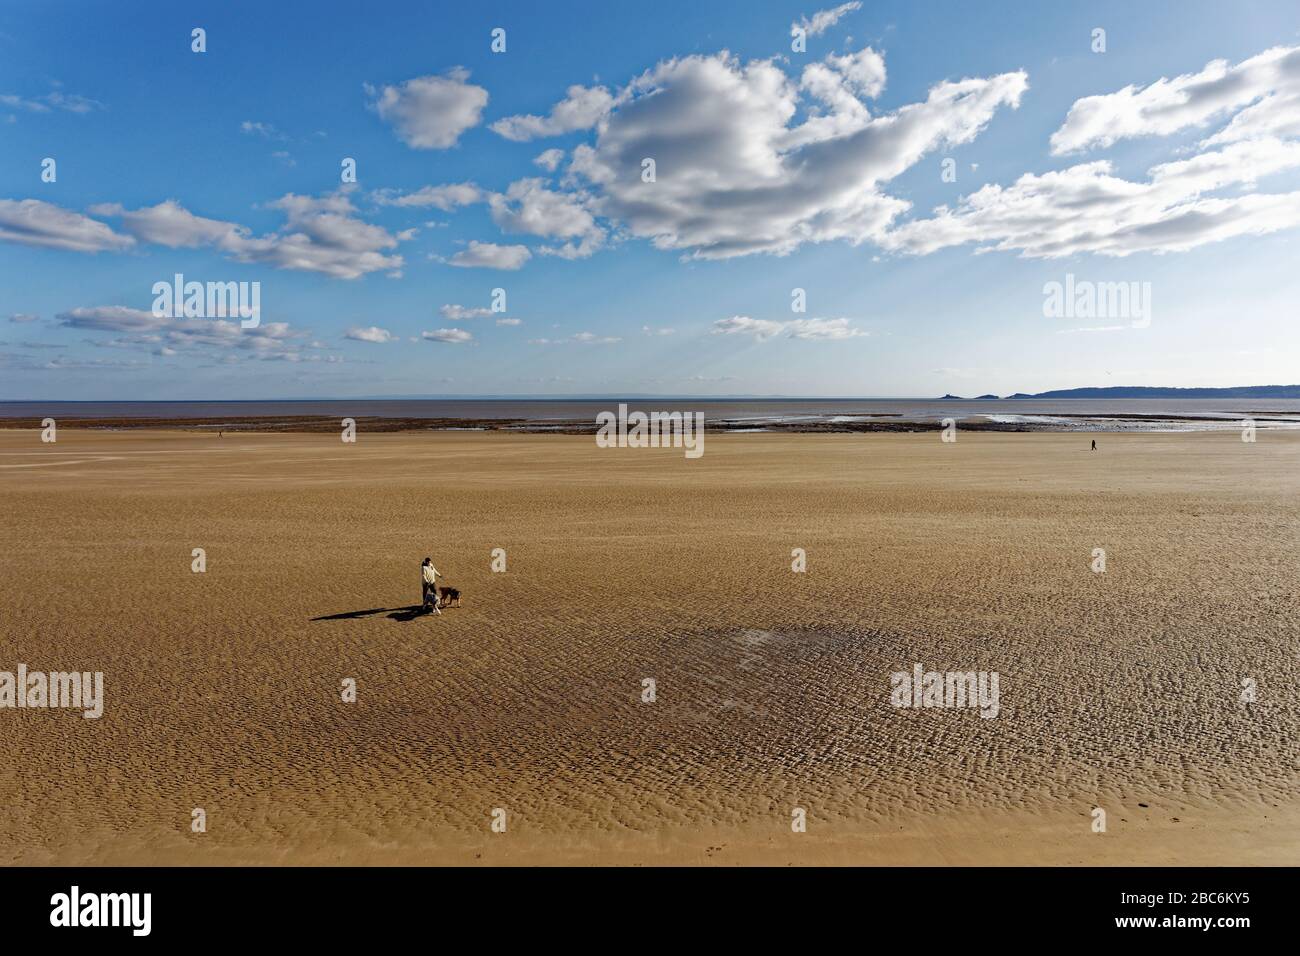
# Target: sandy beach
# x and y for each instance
(1119, 690)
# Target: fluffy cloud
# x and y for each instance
(23, 317)
(761, 329)
(863, 72)
(750, 160)
(833, 329)
(320, 234)
(112, 318)
(838, 84)
(489, 255)
(35, 223)
(1267, 85)
(449, 336)
(171, 224)
(370, 333)
(549, 159)
(529, 207)
(581, 108)
(734, 177)
(164, 336)
(430, 112)
(447, 197)
(764, 329)
(1088, 208)
(823, 20)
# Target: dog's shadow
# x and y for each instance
(409, 613)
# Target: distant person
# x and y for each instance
(429, 584)
(1094, 444)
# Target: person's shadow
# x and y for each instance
(409, 613)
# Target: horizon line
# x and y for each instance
(601, 396)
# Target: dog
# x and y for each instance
(450, 596)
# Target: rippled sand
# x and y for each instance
(772, 688)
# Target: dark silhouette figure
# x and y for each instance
(1094, 444)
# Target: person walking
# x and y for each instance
(429, 584)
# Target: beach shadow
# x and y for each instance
(408, 613)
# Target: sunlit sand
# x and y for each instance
(1120, 691)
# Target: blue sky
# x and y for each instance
(775, 170)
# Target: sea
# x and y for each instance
(736, 415)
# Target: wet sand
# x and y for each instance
(772, 688)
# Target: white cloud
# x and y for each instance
(171, 224)
(509, 322)
(460, 313)
(264, 130)
(431, 112)
(489, 255)
(549, 159)
(823, 20)
(1086, 208)
(749, 160)
(838, 84)
(761, 329)
(581, 108)
(1267, 85)
(54, 100)
(764, 329)
(163, 336)
(64, 364)
(863, 72)
(664, 330)
(112, 318)
(446, 197)
(734, 177)
(449, 336)
(582, 338)
(833, 329)
(23, 317)
(320, 234)
(31, 222)
(370, 333)
(529, 207)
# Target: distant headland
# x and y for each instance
(1147, 391)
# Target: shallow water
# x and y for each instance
(730, 414)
